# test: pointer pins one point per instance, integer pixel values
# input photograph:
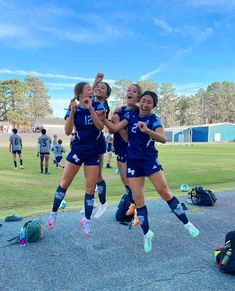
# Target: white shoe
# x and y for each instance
(101, 210)
(21, 167)
(82, 211)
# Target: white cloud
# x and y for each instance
(40, 25)
(19, 36)
(163, 25)
(59, 86)
(149, 75)
(195, 34)
(49, 75)
(169, 64)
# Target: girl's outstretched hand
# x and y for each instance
(99, 77)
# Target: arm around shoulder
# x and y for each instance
(117, 126)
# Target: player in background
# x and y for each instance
(109, 149)
(55, 139)
(44, 148)
(15, 147)
(58, 150)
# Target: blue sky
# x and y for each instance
(189, 43)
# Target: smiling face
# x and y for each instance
(132, 95)
(146, 105)
(101, 92)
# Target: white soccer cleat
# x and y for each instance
(101, 210)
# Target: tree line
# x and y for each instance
(214, 104)
(23, 102)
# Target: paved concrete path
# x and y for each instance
(114, 259)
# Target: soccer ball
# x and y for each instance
(184, 187)
(117, 172)
(63, 204)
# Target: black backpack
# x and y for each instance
(202, 196)
(123, 206)
(226, 256)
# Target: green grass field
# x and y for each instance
(28, 192)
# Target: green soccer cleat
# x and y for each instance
(148, 237)
(192, 230)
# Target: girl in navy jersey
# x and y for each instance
(120, 146)
(144, 128)
(102, 91)
(84, 150)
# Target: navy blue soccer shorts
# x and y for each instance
(44, 154)
(109, 148)
(87, 159)
(58, 159)
(16, 152)
(121, 158)
(142, 168)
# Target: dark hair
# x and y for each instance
(78, 89)
(109, 90)
(59, 141)
(14, 130)
(43, 131)
(153, 95)
(107, 108)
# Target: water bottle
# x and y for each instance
(22, 237)
(226, 257)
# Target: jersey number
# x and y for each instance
(134, 128)
(16, 142)
(88, 120)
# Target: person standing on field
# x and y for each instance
(15, 147)
(44, 148)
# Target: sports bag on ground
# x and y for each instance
(226, 255)
(202, 196)
(123, 206)
(34, 230)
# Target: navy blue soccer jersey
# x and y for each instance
(105, 104)
(120, 146)
(86, 134)
(141, 145)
